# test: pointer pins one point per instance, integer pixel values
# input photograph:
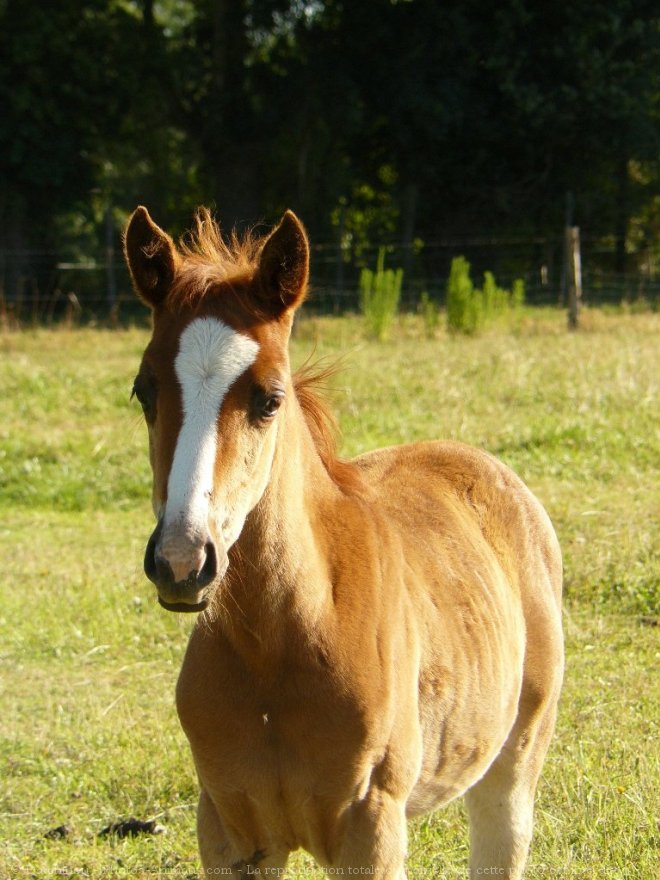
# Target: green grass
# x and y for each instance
(88, 661)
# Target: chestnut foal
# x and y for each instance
(378, 636)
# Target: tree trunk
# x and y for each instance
(12, 244)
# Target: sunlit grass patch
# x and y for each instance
(88, 660)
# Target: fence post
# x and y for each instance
(574, 275)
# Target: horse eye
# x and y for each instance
(271, 405)
(265, 404)
(139, 393)
(144, 396)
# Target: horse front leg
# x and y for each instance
(223, 856)
(375, 837)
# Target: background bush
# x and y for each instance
(380, 292)
(469, 308)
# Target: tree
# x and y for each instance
(402, 117)
(58, 104)
(83, 116)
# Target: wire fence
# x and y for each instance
(37, 288)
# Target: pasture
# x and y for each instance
(88, 660)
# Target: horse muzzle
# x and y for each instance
(185, 568)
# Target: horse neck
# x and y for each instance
(280, 573)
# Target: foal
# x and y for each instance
(378, 636)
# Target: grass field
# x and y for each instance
(88, 661)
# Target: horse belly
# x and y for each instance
(456, 769)
(468, 705)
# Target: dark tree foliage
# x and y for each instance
(407, 118)
(68, 87)
(493, 111)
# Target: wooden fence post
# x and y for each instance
(574, 273)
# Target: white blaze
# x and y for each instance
(211, 357)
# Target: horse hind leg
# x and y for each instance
(501, 805)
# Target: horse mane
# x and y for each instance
(308, 380)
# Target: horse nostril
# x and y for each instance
(164, 573)
(156, 567)
(150, 568)
(209, 570)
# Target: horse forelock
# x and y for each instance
(213, 265)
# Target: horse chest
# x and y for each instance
(287, 729)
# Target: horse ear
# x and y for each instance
(151, 256)
(284, 265)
